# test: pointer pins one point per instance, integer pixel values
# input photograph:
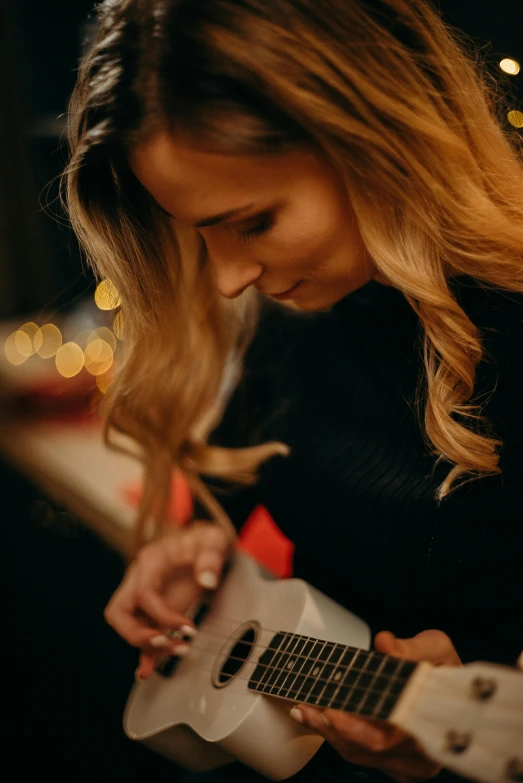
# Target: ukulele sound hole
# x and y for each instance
(235, 655)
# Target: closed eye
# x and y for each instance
(262, 227)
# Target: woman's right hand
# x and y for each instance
(161, 583)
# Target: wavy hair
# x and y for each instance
(396, 102)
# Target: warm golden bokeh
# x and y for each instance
(47, 341)
(23, 343)
(106, 295)
(31, 330)
(83, 337)
(105, 334)
(510, 66)
(69, 360)
(98, 357)
(12, 346)
(516, 118)
(104, 381)
(118, 325)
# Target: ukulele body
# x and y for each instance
(203, 715)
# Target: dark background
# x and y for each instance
(65, 674)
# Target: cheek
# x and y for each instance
(309, 248)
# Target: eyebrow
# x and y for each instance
(215, 219)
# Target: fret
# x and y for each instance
(372, 696)
(341, 673)
(340, 658)
(267, 660)
(327, 674)
(368, 708)
(395, 689)
(320, 672)
(300, 672)
(351, 676)
(285, 664)
(308, 666)
(274, 668)
(294, 663)
(358, 683)
(310, 683)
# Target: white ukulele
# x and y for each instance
(264, 644)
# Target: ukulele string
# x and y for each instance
(334, 701)
(344, 668)
(260, 648)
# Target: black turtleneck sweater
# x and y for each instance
(356, 495)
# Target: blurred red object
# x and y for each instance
(260, 536)
(181, 508)
(262, 539)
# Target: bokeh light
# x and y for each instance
(118, 325)
(106, 295)
(510, 66)
(104, 381)
(69, 360)
(98, 357)
(516, 118)
(47, 341)
(83, 337)
(105, 334)
(23, 343)
(31, 330)
(12, 346)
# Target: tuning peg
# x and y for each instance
(458, 741)
(483, 688)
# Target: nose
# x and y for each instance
(234, 276)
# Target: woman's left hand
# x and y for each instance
(375, 744)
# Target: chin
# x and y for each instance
(316, 304)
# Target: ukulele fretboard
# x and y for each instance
(326, 674)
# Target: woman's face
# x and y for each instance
(291, 229)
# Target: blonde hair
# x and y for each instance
(398, 106)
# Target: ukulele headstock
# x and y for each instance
(468, 718)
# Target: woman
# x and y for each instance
(314, 221)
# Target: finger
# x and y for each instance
(119, 612)
(153, 565)
(360, 743)
(385, 642)
(137, 632)
(433, 646)
(155, 607)
(208, 568)
(150, 657)
(334, 724)
(378, 735)
(147, 665)
(121, 615)
(213, 550)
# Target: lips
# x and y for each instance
(286, 294)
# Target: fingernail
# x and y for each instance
(520, 661)
(324, 719)
(159, 641)
(296, 715)
(188, 630)
(181, 649)
(208, 579)
(137, 676)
